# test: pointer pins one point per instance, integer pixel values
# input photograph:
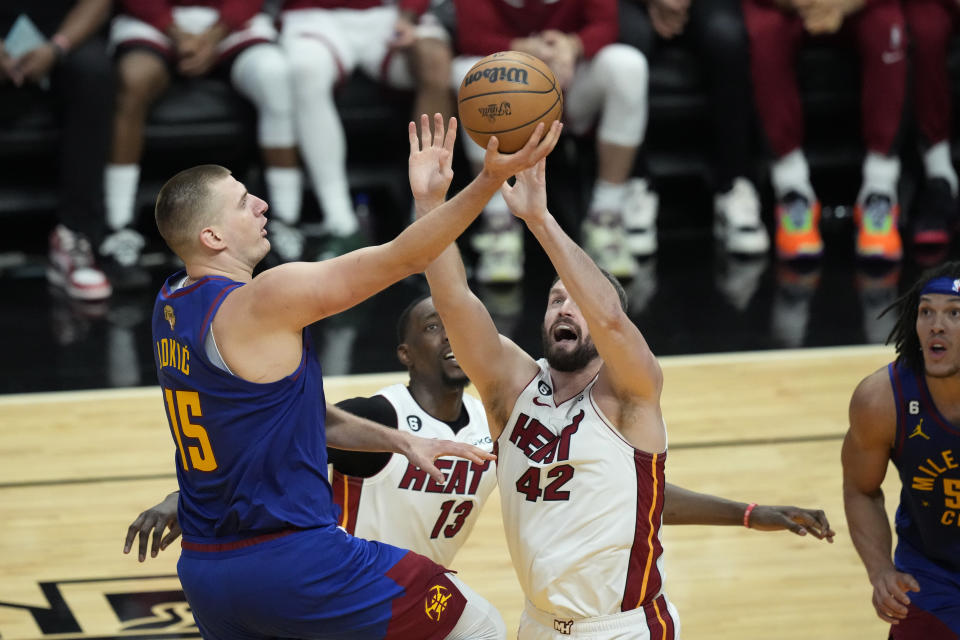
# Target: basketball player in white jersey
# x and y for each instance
(581, 440)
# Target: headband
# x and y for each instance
(943, 285)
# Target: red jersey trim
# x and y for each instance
(215, 547)
(644, 581)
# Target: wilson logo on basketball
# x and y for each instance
(436, 602)
(497, 74)
(493, 111)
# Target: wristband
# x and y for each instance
(746, 514)
(61, 44)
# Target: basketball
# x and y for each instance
(507, 94)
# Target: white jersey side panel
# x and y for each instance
(402, 505)
(582, 508)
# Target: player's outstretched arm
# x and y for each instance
(682, 506)
(350, 432)
(865, 457)
(497, 366)
(632, 368)
(300, 293)
(155, 521)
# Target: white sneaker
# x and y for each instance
(123, 246)
(606, 244)
(73, 268)
(640, 217)
(501, 255)
(736, 221)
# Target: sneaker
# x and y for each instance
(285, 241)
(877, 234)
(640, 217)
(605, 242)
(798, 227)
(120, 254)
(335, 246)
(736, 220)
(501, 255)
(73, 268)
(934, 214)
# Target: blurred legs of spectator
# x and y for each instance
(716, 31)
(775, 37)
(613, 85)
(325, 47)
(257, 69)
(931, 24)
(431, 61)
(81, 87)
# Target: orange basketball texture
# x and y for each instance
(507, 94)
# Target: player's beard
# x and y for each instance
(573, 360)
(451, 382)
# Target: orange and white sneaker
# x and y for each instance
(798, 227)
(878, 237)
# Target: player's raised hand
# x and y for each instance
(502, 166)
(890, 597)
(156, 519)
(431, 159)
(527, 198)
(800, 521)
(421, 452)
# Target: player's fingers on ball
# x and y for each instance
(493, 144)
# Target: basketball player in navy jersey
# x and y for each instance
(908, 412)
(262, 554)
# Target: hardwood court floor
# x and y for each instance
(77, 467)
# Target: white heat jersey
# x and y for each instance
(402, 505)
(582, 508)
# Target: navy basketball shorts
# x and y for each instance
(317, 583)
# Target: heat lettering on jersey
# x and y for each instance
(540, 444)
(461, 477)
(173, 354)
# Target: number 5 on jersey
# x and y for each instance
(180, 411)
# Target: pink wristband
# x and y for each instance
(746, 514)
(62, 42)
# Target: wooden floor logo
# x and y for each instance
(142, 607)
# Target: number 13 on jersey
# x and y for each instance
(182, 407)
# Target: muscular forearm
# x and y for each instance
(869, 529)
(353, 433)
(423, 241)
(682, 506)
(84, 19)
(586, 284)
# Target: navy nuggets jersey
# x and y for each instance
(251, 458)
(927, 455)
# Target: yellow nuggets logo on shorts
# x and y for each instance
(436, 602)
(168, 316)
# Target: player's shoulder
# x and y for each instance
(873, 401)
(874, 388)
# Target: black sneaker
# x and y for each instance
(934, 214)
(120, 255)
